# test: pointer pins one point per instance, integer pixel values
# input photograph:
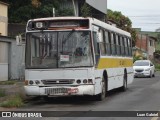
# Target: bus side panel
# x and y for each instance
(115, 78)
(98, 81)
(130, 75)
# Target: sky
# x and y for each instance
(144, 14)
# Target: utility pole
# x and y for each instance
(54, 14)
(74, 7)
(141, 42)
(147, 46)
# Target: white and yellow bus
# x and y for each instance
(67, 56)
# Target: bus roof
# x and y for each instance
(92, 21)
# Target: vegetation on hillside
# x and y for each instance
(122, 22)
(22, 10)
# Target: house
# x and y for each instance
(155, 34)
(145, 46)
(3, 18)
(11, 59)
(11, 56)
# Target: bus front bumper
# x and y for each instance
(59, 90)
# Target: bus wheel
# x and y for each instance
(124, 87)
(102, 95)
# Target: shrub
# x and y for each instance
(13, 101)
(2, 93)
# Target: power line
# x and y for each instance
(146, 16)
(150, 23)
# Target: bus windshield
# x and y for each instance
(58, 49)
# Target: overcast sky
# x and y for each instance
(144, 14)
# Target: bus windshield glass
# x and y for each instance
(58, 49)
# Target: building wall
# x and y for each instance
(146, 45)
(100, 5)
(151, 47)
(3, 19)
(15, 55)
(141, 42)
(4, 61)
(98, 8)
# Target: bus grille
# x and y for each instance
(58, 81)
(54, 91)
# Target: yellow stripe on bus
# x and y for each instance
(114, 63)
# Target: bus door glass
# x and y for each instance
(96, 43)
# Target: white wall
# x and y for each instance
(3, 71)
(3, 61)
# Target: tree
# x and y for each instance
(36, 3)
(86, 10)
(122, 22)
(20, 11)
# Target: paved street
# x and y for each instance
(142, 95)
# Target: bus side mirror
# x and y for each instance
(19, 40)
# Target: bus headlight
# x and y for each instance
(78, 81)
(37, 82)
(31, 82)
(85, 81)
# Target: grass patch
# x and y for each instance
(13, 101)
(157, 66)
(7, 82)
(2, 92)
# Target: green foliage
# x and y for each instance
(14, 101)
(157, 51)
(86, 10)
(158, 38)
(2, 92)
(157, 66)
(20, 11)
(139, 57)
(65, 12)
(7, 82)
(134, 36)
(122, 22)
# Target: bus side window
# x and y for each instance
(112, 44)
(115, 44)
(129, 47)
(96, 47)
(126, 46)
(108, 42)
(118, 44)
(102, 43)
(122, 46)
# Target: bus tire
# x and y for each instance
(102, 95)
(124, 87)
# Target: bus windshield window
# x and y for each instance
(58, 49)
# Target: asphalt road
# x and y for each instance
(142, 95)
